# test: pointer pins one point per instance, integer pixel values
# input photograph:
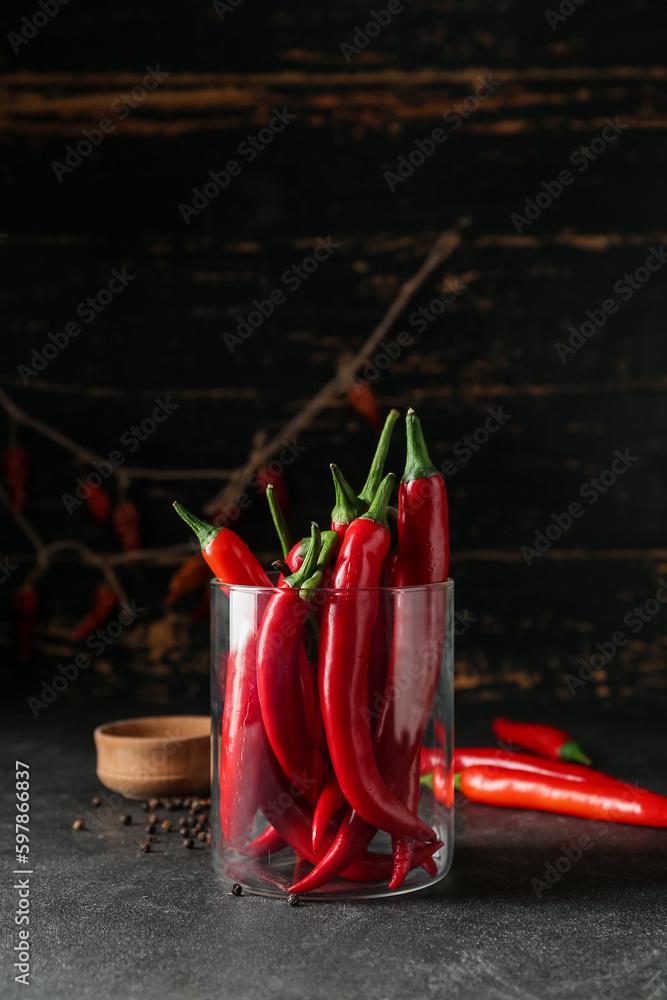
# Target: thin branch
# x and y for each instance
(443, 248)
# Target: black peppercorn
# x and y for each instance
(154, 803)
(145, 848)
(153, 818)
(236, 889)
(151, 838)
(77, 824)
(166, 826)
(189, 842)
(151, 828)
(145, 806)
(293, 899)
(125, 820)
(184, 832)
(201, 835)
(184, 821)
(96, 800)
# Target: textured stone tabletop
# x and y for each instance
(107, 921)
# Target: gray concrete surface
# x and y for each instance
(107, 921)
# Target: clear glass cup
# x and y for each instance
(272, 753)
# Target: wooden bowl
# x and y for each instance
(161, 755)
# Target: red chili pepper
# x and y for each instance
(362, 398)
(293, 819)
(16, 464)
(330, 801)
(547, 740)
(268, 842)
(437, 780)
(526, 790)
(348, 506)
(125, 523)
(423, 530)
(429, 758)
(99, 503)
(403, 848)
(229, 558)
(24, 605)
(279, 681)
(190, 575)
(344, 644)
(492, 757)
(104, 601)
(269, 475)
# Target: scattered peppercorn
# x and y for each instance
(153, 818)
(177, 803)
(187, 802)
(201, 835)
(184, 832)
(236, 889)
(184, 821)
(198, 828)
(126, 819)
(202, 818)
(166, 826)
(145, 848)
(151, 838)
(77, 824)
(96, 800)
(189, 842)
(151, 828)
(293, 899)
(154, 803)
(144, 806)
(170, 805)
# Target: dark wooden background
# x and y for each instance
(324, 174)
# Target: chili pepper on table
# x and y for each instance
(125, 523)
(347, 507)
(190, 575)
(16, 463)
(547, 740)
(345, 635)
(493, 757)
(228, 556)
(24, 606)
(104, 601)
(279, 679)
(99, 503)
(362, 398)
(526, 790)
(429, 758)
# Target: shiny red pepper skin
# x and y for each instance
(99, 503)
(104, 602)
(547, 740)
(229, 558)
(344, 644)
(125, 523)
(24, 606)
(268, 842)
(16, 463)
(279, 680)
(403, 848)
(423, 519)
(526, 790)
(492, 757)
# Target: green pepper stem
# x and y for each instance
(378, 509)
(279, 522)
(205, 532)
(307, 567)
(457, 782)
(427, 780)
(573, 753)
(348, 506)
(329, 545)
(380, 457)
(418, 464)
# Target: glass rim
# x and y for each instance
(446, 585)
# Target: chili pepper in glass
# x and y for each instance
(16, 465)
(227, 555)
(526, 790)
(345, 636)
(104, 601)
(429, 758)
(24, 606)
(279, 679)
(547, 740)
(347, 507)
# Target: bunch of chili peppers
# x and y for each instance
(313, 736)
(549, 779)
